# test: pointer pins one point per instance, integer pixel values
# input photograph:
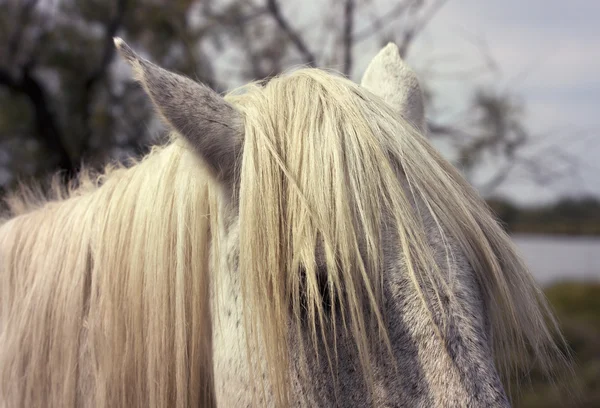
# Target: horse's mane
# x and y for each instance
(104, 294)
(105, 298)
(321, 167)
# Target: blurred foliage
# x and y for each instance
(65, 99)
(569, 216)
(577, 306)
(498, 118)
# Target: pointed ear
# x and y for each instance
(390, 78)
(211, 125)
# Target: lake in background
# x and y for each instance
(559, 258)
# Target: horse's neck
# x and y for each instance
(450, 371)
(456, 369)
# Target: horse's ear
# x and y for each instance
(211, 125)
(390, 78)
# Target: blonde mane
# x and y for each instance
(104, 296)
(323, 164)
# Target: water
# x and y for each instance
(557, 258)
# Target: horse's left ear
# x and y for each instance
(212, 126)
(390, 78)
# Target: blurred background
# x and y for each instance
(512, 92)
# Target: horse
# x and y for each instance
(296, 242)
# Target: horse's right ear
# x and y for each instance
(390, 78)
(212, 126)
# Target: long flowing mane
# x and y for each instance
(104, 296)
(105, 293)
(324, 164)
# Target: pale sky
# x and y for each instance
(546, 50)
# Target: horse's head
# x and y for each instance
(352, 264)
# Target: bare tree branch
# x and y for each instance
(108, 46)
(347, 42)
(108, 53)
(396, 12)
(14, 41)
(45, 123)
(484, 50)
(25, 83)
(273, 9)
(440, 130)
(7, 80)
(497, 179)
(379, 24)
(410, 34)
(249, 51)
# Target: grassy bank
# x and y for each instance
(577, 306)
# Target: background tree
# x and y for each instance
(65, 99)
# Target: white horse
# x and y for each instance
(298, 243)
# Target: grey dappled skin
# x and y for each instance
(459, 372)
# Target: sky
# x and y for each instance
(548, 52)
